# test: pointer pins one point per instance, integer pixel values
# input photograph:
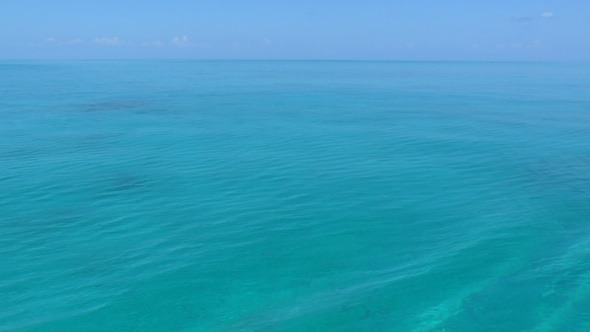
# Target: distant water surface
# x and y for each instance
(314, 196)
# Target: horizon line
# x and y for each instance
(286, 60)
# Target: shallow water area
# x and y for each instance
(285, 195)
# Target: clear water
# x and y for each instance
(207, 196)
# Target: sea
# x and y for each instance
(184, 195)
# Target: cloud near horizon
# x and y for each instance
(178, 41)
(55, 42)
(547, 14)
(182, 41)
(524, 19)
(153, 43)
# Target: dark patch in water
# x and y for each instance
(494, 304)
(569, 175)
(122, 185)
(126, 183)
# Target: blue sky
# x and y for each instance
(265, 29)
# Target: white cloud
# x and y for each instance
(108, 41)
(547, 14)
(180, 41)
(154, 43)
(267, 41)
(74, 41)
(56, 42)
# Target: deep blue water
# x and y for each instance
(288, 196)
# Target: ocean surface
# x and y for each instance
(294, 196)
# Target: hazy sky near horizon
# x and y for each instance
(304, 29)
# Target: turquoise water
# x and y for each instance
(289, 196)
